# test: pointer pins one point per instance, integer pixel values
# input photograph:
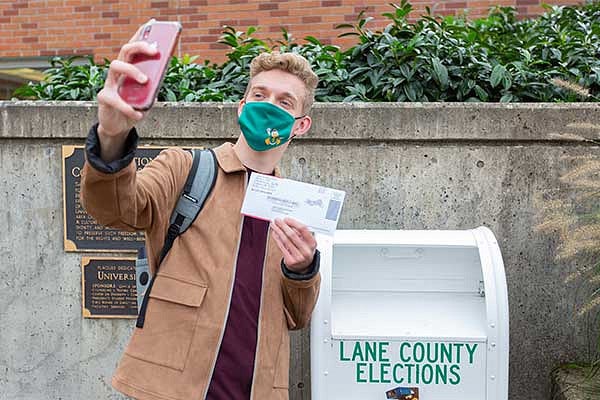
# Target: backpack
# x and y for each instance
(199, 184)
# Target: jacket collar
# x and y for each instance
(229, 161)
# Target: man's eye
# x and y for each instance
(258, 95)
(286, 103)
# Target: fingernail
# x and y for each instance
(142, 78)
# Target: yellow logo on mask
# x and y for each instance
(273, 139)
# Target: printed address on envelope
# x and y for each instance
(315, 206)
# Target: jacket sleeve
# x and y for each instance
(118, 196)
(300, 294)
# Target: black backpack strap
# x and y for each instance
(180, 214)
(199, 184)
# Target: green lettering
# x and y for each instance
(372, 377)
(471, 351)
(402, 357)
(457, 346)
(359, 371)
(454, 370)
(397, 378)
(342, 358)
(441, 374)
(410, 367)
(383, 351)
(371, 351)
(418, 347)
(357, 354)
(430, 353)
(384, 372)
(446, 352)
(427, 379)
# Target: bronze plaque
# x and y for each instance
(81, 231)
(108, 287)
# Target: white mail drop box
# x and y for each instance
(419, 315)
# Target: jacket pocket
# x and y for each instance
(171, 319)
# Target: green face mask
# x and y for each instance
(265, 126)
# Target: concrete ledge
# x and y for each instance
(574, 384)
(373, 122)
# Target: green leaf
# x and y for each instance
(313, 40)
(171, 96)
(48, 90)
(410, 92)
(498, 73)
(506, 81)
(440, 73)
(406, 71)
(481, 94)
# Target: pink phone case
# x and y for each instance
(164, 35)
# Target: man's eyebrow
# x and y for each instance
(285, 94)
(259, 87)
(290, 95)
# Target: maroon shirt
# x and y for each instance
(234, 368)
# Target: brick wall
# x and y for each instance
(100, 27)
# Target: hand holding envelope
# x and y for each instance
(296, 243)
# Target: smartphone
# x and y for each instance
(164, 36)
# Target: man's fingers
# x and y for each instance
(130, 70)
(121, 66)
(138, 47)
(295, 238)
(113, 100)
(294, 251)
(118, 70)
(287, 255)
(302, 231)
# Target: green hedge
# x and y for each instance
(552, 58)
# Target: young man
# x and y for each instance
(225, 296)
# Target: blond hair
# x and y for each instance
(293, 63)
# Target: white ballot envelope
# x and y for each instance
(318, 207)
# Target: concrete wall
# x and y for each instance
(404, 166)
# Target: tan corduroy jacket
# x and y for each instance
(173, 356)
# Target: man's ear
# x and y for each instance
(302, 126)
(240, 106)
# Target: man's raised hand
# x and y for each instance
(115, 116)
